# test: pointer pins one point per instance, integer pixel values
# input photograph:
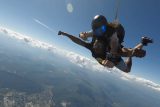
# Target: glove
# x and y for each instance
(83, 35)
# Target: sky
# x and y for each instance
(42, 19)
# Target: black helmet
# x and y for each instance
(99, 25)
(98, 21)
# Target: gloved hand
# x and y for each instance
(138, 52)
(83, 35)
(60, 32)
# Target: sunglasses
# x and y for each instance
(100, 31)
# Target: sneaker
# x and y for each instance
(146, 40)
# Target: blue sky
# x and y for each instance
(139, 17)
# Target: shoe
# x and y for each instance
(146, 40)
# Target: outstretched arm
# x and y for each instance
(74, 39)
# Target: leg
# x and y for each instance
(144, 42)
(125, 66)
(129, 52)
(139, 46)
(128, 63)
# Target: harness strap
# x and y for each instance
(113, 58)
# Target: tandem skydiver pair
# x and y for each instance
(106, 45)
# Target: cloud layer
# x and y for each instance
(77, 59)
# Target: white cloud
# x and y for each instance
(27, 39)
(141, 80)
(78, 59)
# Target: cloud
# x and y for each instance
(141, 80)
(44, 25)
(78, 59)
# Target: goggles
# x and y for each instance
(100, 31)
